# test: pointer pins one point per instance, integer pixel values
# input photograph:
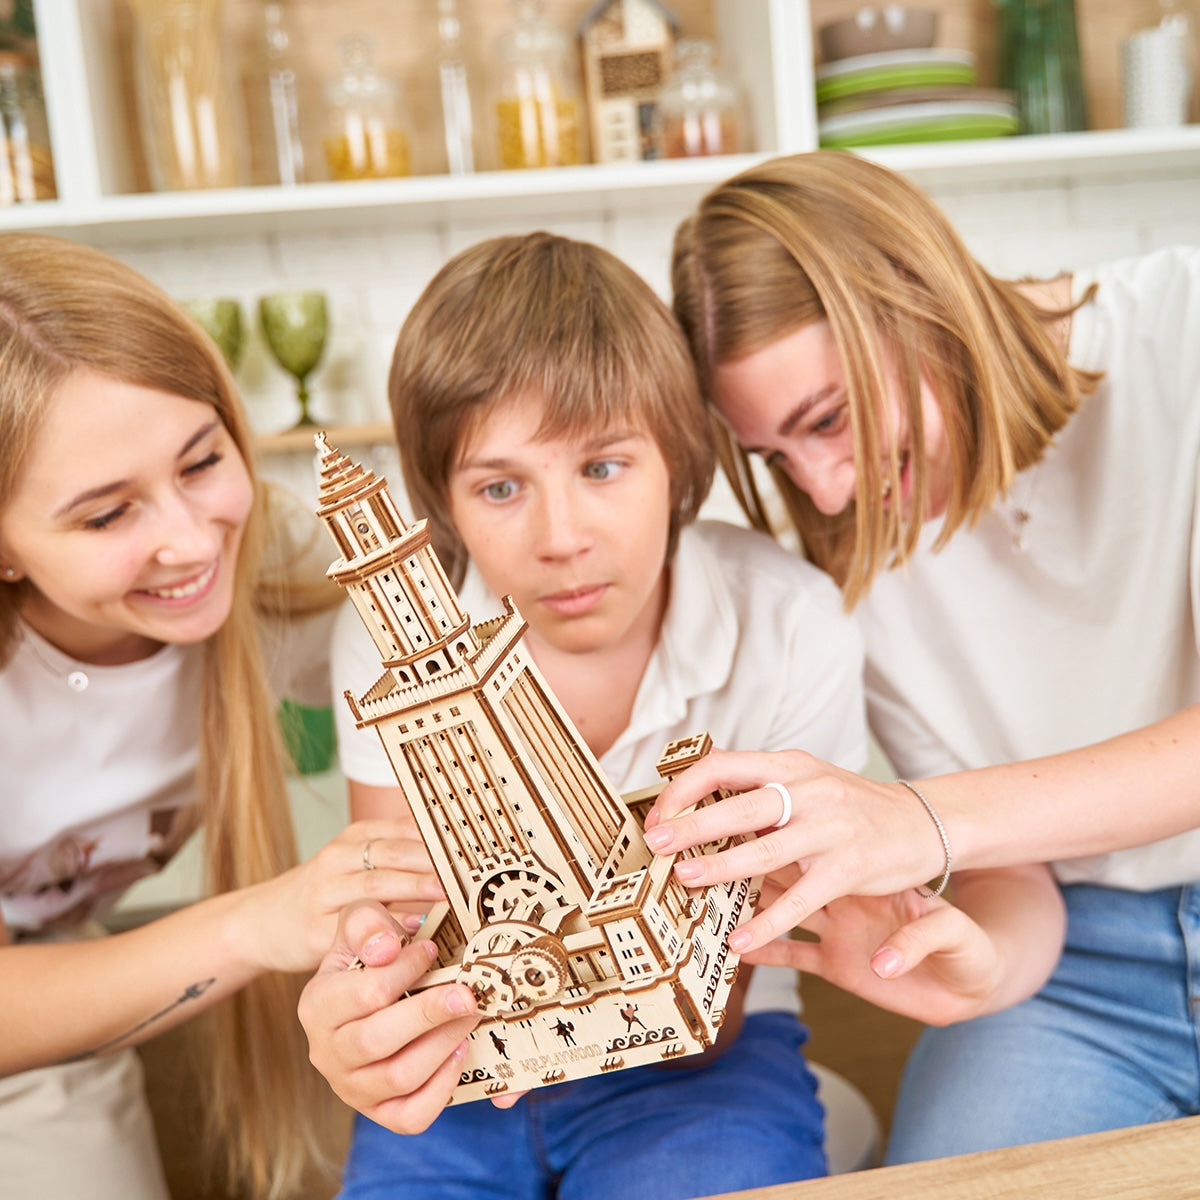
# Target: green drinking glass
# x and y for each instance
(295, 326)
(221, 319)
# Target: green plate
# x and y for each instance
(901, 68)
(893, 126)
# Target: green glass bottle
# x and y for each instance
(1038, 60)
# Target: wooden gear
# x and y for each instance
(583, 950)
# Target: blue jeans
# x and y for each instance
(1110, 1041)
(749, 1119)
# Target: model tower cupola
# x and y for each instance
(413, 615)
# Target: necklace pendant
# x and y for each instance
(78, 681)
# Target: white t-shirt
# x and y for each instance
(985, 653)
(98, 785)
(755, 648)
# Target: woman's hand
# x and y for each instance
(292, 919)
(846, 834)
(921, 958)
(393, 1057)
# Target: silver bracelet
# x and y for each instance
(927, 892)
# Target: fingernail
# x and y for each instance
(886, 963)
(652, 819)
(460, 1051)
(411, 922)
(429, 949)
(739, 940)
(658, 838)
(456, 1003)
(376, 945)
(689, 869)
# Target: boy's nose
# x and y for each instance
(562, 527)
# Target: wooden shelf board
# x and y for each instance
(292, 441)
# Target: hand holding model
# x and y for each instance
(393, 1057)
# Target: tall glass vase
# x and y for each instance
(190, 123)
(1039, 61)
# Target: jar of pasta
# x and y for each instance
(368, 133)
(26, 164)
(539, 105)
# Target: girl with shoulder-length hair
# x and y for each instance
(830, 237)
(1003, 477)
(155, 599)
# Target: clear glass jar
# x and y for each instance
(191, 125)
(26, 163)
(539, 105)
(368, 131)
(700, 111)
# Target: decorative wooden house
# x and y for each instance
(582, 949)
(628, 54)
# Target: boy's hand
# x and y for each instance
(393, 1057)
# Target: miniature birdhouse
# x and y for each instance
(584, 952)
(628, 54)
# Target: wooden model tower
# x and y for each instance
(584, 952)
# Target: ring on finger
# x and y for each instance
(786, 797)
(368, 865)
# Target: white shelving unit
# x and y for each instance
(766, 43)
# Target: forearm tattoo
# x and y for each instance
(189, 994)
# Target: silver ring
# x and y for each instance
(786, 797)
(368, 865)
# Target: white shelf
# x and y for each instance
(419, 199)
(769, 43)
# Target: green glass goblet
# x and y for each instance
(221, 319)
(296, 326)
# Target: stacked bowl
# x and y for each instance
(882, 80)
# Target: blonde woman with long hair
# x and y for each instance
(1002, 477)
(156, 601)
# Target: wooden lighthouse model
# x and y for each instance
(584, 952)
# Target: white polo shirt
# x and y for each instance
(988, 653)
(755, 648)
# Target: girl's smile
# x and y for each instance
(127, 520)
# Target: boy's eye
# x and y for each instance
(605, 468)
(501, 490)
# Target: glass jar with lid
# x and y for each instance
(700, 109)
(191, 123)
(26, 164)
(539, 105)
(368, 130)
